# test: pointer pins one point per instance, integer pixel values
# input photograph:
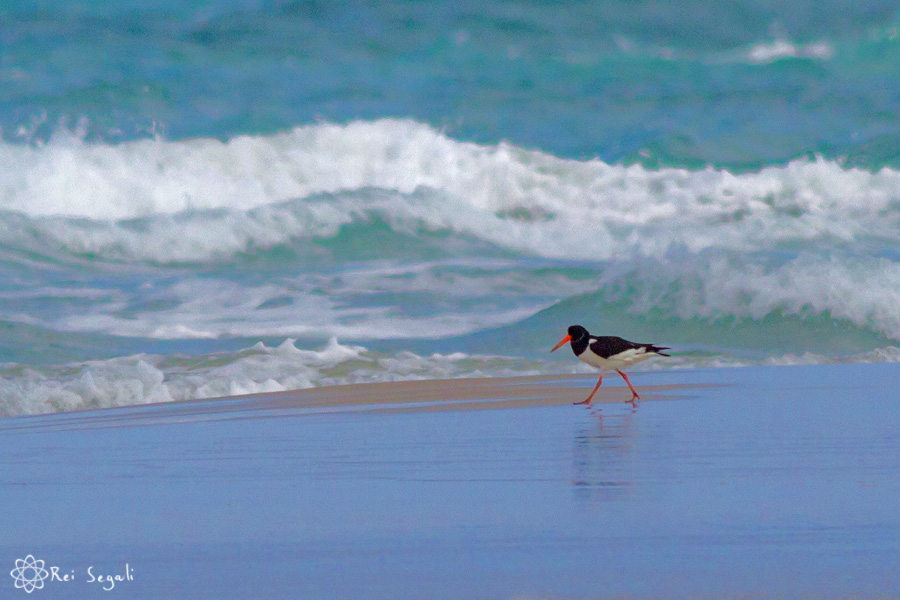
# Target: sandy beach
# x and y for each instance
(723, 483)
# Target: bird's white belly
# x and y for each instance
(616, 361)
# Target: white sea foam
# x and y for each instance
(144, 379)
(776, 48)
(385, 303)
(360, 303)
(864, 291)
(418, 179)
(781, 48)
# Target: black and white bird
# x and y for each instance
(608, 353)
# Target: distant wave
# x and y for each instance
(762, 52)
(780, 49)
(716, 287)
(827, 303)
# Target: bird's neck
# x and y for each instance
(580, 344)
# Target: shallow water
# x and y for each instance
(774, 482)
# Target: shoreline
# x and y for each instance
(431, 395)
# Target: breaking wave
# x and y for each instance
(202, 199)
(145, 379)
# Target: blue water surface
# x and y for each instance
(769, 483)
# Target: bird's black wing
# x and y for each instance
(611, 345)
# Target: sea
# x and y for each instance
(204, 198)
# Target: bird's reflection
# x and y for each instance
(602, 446)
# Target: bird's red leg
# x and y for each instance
(631, 387)
(594, 391)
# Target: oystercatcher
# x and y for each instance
(608, 353)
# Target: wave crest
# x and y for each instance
(202, 199)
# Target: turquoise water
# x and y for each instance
(200, 199)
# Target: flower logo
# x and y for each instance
(29, 574)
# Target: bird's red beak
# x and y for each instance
(565, 340)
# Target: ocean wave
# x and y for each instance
(752, 299)
(763, 52)
(714, 286)
(692, 297)
(780, 49)
(206, 200)
(427, 299)
(725, 303)
(145, 379)
(365, 231)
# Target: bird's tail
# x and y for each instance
(657, 349)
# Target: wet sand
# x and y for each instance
(397, 397)
(722, 483)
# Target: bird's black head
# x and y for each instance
(578, 336)
(577, 332)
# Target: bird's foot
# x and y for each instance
(588, 402)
